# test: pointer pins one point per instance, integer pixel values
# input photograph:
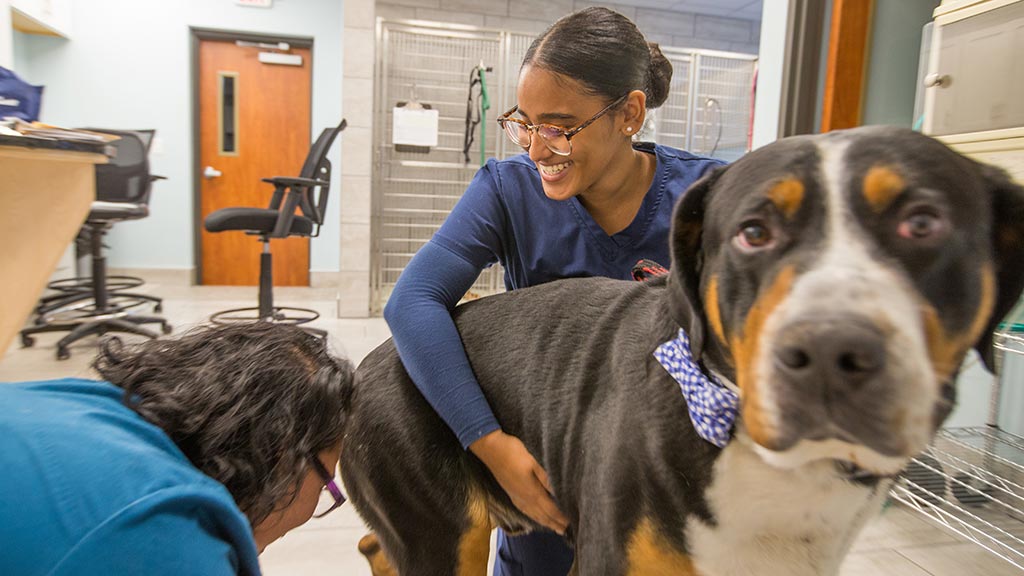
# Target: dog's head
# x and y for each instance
(839, 280)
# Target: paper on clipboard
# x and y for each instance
(414, 127)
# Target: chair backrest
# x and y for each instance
(147, 137)
(126, 177)
(319, 167)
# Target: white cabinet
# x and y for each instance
(975, 96)
(971, 480)
(51, 17)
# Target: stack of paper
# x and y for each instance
(49, 132)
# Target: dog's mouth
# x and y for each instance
(869, 427)
(853, 461)
(857, 475)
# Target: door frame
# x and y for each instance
(849, 43)
(196, 36)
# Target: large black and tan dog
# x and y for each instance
(837, 280)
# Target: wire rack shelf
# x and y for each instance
(971, 480)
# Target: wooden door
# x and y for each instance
(254, 121)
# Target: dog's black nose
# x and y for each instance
(832, 351)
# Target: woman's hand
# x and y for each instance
(521, 476)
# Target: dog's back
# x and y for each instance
(546, 358)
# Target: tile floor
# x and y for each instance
(897, 543)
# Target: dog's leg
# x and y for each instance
(651, 554)
(440, 546)
(369, 547)
(643, 551)
(475, 542)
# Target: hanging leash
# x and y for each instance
(474, 113)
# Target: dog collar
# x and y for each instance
(713, 407)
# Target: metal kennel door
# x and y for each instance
(709, 106)
(707, 112)
(413, 192)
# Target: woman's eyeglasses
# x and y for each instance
(558, 140)
(326, 506)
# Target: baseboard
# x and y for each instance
(324, 279)
(167, 276)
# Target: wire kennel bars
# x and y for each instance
(708, 112)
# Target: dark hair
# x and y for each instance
(247, 404)
(605, 52)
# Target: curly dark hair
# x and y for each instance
(247, 404)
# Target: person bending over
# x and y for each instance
(189, 458)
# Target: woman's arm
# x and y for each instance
(419, 315)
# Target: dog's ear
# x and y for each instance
(687, 259)
(1007, 201)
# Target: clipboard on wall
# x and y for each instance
(414, 127)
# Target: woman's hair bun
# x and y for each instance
(659, 77)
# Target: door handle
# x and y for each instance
(937, 80)
(210, 172)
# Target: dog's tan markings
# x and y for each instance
(650, 554)
(882, 185)
(369, 547)
(946, 350)
(475, 543)
(787, 195)
(745, 351)
(714, 311)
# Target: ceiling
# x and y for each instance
(746, 9)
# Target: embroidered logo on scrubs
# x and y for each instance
(713, 407)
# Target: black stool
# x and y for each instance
(88, 306)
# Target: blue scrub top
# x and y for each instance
(89, 487)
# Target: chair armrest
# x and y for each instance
(289, 181)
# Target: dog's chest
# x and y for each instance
(773, 522)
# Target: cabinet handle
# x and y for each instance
(937, 80)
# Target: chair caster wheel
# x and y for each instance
(159, 307)
(166, 328)
(27, 341)
(63, 354)
(39, 321)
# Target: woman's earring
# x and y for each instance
(629, 128)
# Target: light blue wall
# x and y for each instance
(127, 66)
(892, 69)
(20, 48)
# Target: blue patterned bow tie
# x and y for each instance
(713, 407)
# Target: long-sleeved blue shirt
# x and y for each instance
(505, 217)
(90, 488)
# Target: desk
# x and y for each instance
(46, 189)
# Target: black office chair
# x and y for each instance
(123, 187)
(279, 220)
(68, 291)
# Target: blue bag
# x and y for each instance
(18, 98)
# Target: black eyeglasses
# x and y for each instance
(558, 140)
(325, 507)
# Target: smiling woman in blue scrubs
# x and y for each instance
(584, 200)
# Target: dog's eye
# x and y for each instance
(920, 226)
(754, 235)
